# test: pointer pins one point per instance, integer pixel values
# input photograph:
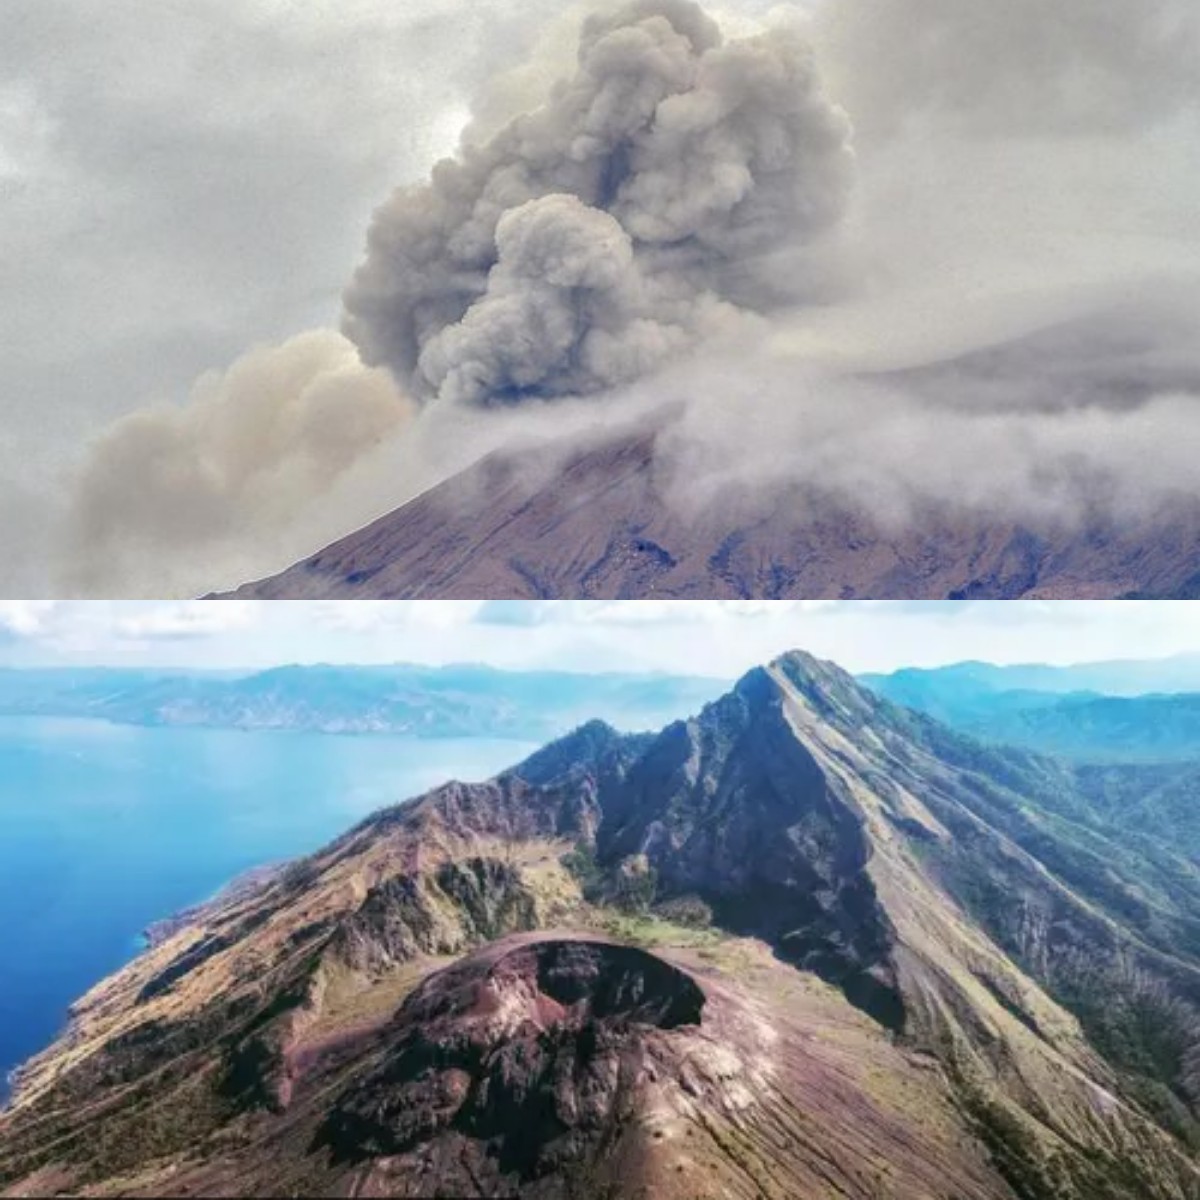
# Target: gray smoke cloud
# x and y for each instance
(629, 216)
(1096, 417)
(176, 499)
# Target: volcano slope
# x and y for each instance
(602, 523)
(804, 944)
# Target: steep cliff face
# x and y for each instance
(803, 943)
(1017, 924)
(732, 808)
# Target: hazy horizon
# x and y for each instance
(701, 638)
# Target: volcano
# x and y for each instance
(604, 525)
(805, 943)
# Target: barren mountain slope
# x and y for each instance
(806, 943)
(603, 526)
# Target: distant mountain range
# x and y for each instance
(1090, 712)
(804, 943)
(1140, 755)
(1093, 712)
(602, 523)
(453, 701)
(1116, 677)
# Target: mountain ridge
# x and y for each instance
(1049, 709)
(1114, 677)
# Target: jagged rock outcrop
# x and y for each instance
(454, 907)
(731, 807)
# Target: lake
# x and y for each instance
(105, 828)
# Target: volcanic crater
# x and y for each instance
(529, 1050)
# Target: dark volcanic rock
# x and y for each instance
(516, 1062)
(406, 915)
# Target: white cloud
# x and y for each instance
(25, 618)
(381, 616)
(637, 612)
(696, 637)
(124, 631)
(194, 619)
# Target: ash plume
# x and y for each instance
(237, 476)
(1022, 67)
(593, 238)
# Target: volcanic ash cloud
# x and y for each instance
(630, 216)
(640, 208)
(170, 496)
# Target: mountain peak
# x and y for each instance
(830, 693)
(586, 748)
(803, 668)
(756, 688)
(834, 695)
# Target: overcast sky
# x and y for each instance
(702, 637)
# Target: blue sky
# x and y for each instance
(718, 638)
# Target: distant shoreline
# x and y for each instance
(238, 888)
(325, 730)
(401, 701)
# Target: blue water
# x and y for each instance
(105, 828)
